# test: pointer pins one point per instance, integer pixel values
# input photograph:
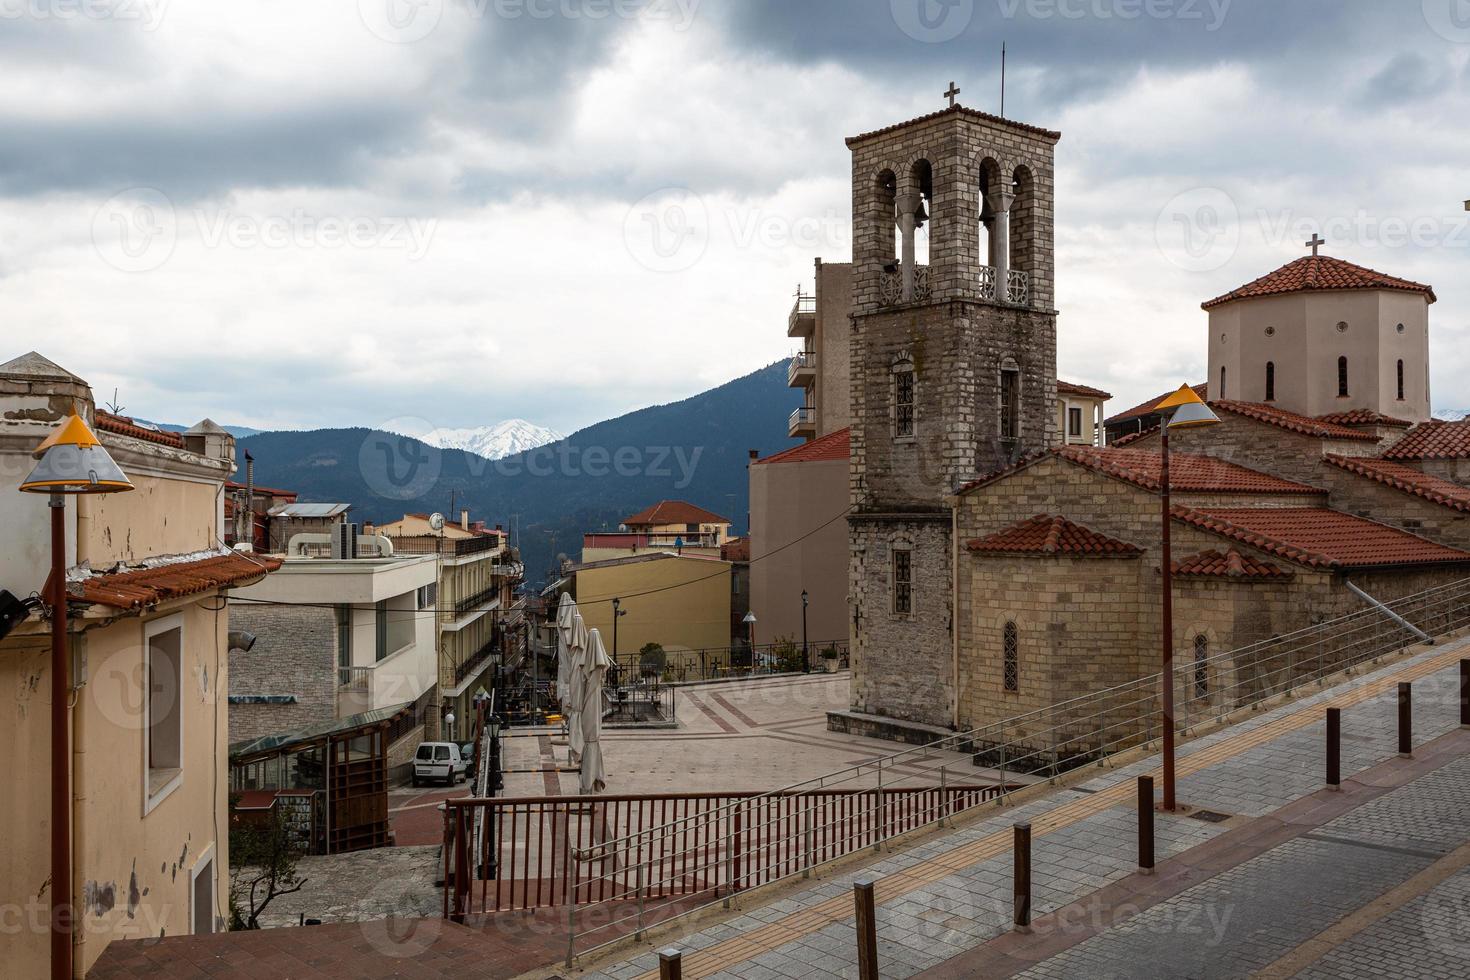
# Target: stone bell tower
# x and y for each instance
(953, 374)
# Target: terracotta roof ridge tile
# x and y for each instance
(1291, 421)
(1051, 535)
(1406, 479)
(1319, 273)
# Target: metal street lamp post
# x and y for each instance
(749, 622)
(71, 461)
(806, 660)
(1181, 410)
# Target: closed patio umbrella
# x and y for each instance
(576, 684)
(564, 613)
(593, 664)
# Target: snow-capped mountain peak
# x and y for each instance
(491, 441)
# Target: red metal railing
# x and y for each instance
(599, 849)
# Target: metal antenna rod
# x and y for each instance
(1002, 79)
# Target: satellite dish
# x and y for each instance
(436, 521)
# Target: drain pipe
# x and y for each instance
(1423, 636)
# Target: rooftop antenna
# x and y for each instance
(117, 409)
(1002, 79)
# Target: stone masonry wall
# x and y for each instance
(295, 653)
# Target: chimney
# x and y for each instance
(464, 520)
(755, 455)
(500, 527)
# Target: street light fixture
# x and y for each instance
(806, 660)
(749, 622)
(71, 461)
(1182, 410)
(618, 613)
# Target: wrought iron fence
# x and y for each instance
(681, 665)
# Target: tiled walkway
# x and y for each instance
(950, 894)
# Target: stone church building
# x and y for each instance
(994, 569)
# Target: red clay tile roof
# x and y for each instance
(736, 549)
(833, 446)
(952, 110)
(1320, 538)
(121, 425)
(1046, 534)
(674, 512)
(1291, 421)
(150, 586)
(1148, 407)
(1434, 440)
(1363, 416)
(1406, 478)
(1231, 564)
(1133, 437)
(1320, 272)
(1068, 388)
(1188, 472)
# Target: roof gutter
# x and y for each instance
(1423, 636)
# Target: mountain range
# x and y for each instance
(490, 441)
(696, 449)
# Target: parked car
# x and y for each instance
(439, 760)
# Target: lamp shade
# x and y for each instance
(72, 460)
(1193, 415)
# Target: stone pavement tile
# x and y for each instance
(1428, 936)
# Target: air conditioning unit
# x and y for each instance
(344, 541)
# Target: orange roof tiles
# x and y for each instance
(1362, 416)
(1231, 564)
(121, 425)
(1046, 534)
(1070, 388)
(1406, 478)
(1133, 437)
(1188, 472)
(1150, 407)
(1434, 440)
(1320, 538)
(674, 512)
(1291, 421)
(833, 446)
(1319, 272)
(150, 586)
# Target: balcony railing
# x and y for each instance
(509, 569)
(802, 418)
(359, 679)
(1018, 286)
(805, 308)
(432, 544)
(890, 286)
(473, 662)
(466, 605)
(802, 361)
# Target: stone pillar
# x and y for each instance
(908, 205)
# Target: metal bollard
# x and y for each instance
(1021, 877)
(1334, 748)
(867, 930)
(1406, 720)
(1465, 693)
(670, 964)
(1145, 825)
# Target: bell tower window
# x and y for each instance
(1270, 381)
(1401, 379)
(1010, 402)
(1342, 377)
(903, 401)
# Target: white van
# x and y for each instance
(439, 760)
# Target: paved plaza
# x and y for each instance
(1271, 873)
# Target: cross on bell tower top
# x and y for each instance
(1316, 243)
(951, 94)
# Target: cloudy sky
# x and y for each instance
(345, 212)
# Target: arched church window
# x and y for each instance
(1401, 379)
(1342, 377)
(1222, 382)
(1201, 666)
(1270, 381)
(903, 400)
(1011, 658)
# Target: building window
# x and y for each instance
(428, 595)
(1201, 666)
(1342, 377)
(903, 402)
(903, 582)
(1401, 380)
(1010, 404)
(1270, 381)
(1222, 382)
(344, 636)
(1074, 421)
(1011, 653)
(381, 624)
(164, 669)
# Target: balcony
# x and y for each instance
(803, 423)
(464, 671)
(449, 548)
(1018, 286)
(467, 605)
(802, 371)
(803, 319)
